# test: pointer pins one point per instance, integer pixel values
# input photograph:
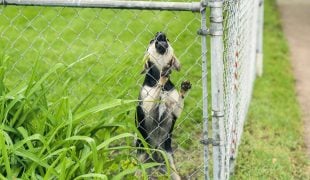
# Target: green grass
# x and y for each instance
(44, 140)
(272, 143)
(93, 58)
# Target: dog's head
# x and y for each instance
(161, 43)
(161, 53)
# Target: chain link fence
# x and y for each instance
(242, 62)
(103, 52)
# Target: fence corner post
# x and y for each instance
(217, 86)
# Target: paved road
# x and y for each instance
(295, 16)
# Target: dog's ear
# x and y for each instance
(146, 67)
(175, 63)
(146, 64)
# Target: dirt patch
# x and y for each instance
(295, 15)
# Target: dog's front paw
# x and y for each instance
(164, 75)
(186, 85)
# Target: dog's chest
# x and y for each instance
(160, 60)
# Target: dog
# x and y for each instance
(160, 104)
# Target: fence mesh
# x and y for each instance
(103, 51)
(240, 36)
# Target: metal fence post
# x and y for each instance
(203, 33)
(217, 90)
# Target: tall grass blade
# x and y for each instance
(106, 79)
(99, 108)
(24, 133)
(8, 129)
(2, 86)
(117, 137)
(3, 68)
(32, 77)
(80, 60)
(101, 147)
(91, 176)
(31, 156)
(7, 139)
(4, 154)
(61, 155)
(2, 177)
(38, 84)
(18, 145)
(58, 152)
(145, 166)
(13, 104)
(92, 145)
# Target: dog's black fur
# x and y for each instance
(151, 80)
(160, 104)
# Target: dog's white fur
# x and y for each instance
(165, 105)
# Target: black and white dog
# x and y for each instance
(160, 104)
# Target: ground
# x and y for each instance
(296, 24)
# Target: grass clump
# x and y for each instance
(42, 139)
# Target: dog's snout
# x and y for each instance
(161, 36)
(161, 43)
(161, 46)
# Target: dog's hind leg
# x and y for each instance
(175, 102)
(173, 170)
(174, 174)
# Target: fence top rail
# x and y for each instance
(140, 5)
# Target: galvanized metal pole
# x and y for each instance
(203, 33)
(142, 5)
(217, 87)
